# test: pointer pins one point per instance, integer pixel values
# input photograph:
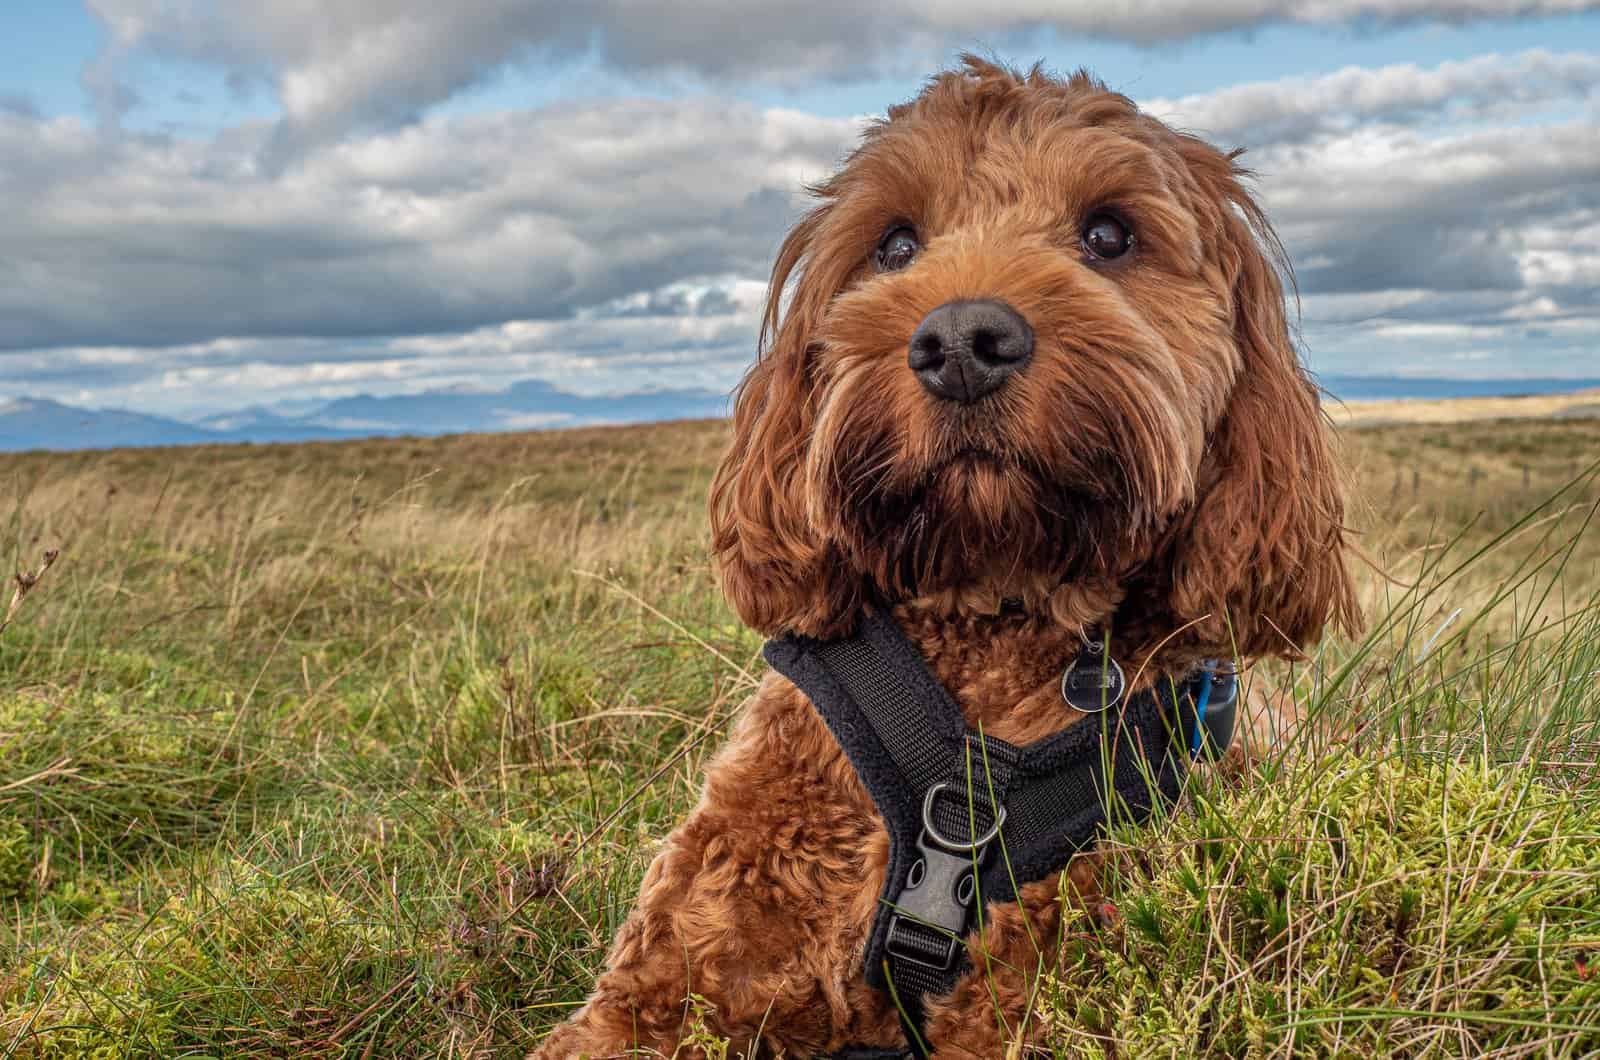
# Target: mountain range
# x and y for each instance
(37, 423)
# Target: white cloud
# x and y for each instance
(1426, 205)
(1298, 109)
(653, 345)
(449, 224)
(1385, 208)
(384, 61)
(624, 242)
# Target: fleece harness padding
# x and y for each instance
(972, 818)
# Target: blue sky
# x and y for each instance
(227, 201)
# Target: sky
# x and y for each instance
(218, 203)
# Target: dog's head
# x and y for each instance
(1033, 348)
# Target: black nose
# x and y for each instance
(964, 350)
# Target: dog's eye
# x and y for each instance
(897, 248)
(1105, 236)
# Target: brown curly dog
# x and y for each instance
(1026, 373)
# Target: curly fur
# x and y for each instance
(1160, 468)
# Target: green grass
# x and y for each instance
(360, 749)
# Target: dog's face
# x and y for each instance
(1033, 347)
(1026, 345)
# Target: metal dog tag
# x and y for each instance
(1093, 681)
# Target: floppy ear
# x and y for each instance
(1258, 563)
(777, 571)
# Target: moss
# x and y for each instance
(79, 898)
(118, 774)
(18, 857)
(235, 955)
(1335, 946)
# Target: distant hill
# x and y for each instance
(1581, 404)
(36, 423)
(1422, 388)
(527, 405)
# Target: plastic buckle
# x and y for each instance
(938, 898)
(939, 891)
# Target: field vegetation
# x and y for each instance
(360, 749)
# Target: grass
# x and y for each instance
(360, 749)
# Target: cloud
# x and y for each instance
(457, 223)
(618, 243)
(1300, 109)
(683, 336)
(1387, 209)
(1466, 193)
(446, 225)
(19, 104)
(378, 63)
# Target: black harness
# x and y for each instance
(972, 818)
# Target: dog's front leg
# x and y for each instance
(991, 1009)
(637, 1007)
(755, 907)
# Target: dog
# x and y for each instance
(1026, 373)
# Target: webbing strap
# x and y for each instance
(916, 721)
(971, 818)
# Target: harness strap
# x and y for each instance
(971, 818)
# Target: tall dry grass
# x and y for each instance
(360, 748)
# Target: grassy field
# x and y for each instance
(360, 749)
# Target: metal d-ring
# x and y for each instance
(945, 842)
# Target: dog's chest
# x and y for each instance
(1005, 676)
(821, 850)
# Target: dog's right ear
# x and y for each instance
(779, 574)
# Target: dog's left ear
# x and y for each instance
(777, 571)
(1258, 564)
